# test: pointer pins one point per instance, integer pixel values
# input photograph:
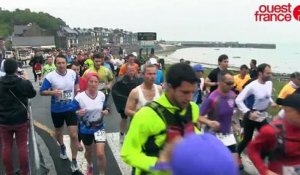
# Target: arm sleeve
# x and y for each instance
(210, 76)
(46, 85)
(242, 97)
(263, 142)
(270, 97)
(76, 104)
(205, 107)
(136, 137)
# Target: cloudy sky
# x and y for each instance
(194, 20)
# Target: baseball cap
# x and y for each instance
(202, 154)
(134, 53)
(198, 68)
(292, 101)
(152, 61)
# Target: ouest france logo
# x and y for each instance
(277, 13)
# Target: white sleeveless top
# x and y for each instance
(142, 100)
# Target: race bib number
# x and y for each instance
(100, 135)
(38, 72)
(227, 139)
(66, 95)
(291, 170)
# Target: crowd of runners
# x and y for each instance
(175, 120)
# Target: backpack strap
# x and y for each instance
(150, 148)
(279, 150)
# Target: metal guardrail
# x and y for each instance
(34, 155)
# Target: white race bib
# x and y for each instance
(291, 170)
(38, 72)
(100, 135)
(227, 139)
(66, 95)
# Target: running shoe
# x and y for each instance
(63, 153)
(74, 166)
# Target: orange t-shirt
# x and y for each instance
(123, 69)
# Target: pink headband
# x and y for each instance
(89, 75)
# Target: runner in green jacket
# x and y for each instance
(162, 121)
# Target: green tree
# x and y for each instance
(23, 17)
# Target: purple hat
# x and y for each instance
(198, 68)
(202, 154)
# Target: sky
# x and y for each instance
(173, 20)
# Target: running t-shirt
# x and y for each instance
(104, 74)
(287, 90)
(89, 62)
(239, 82)
(123, 69)
(48, 68)
(159, 77)
(213, 76)
(93, 120)
(219, 107)
(260, 94)
(65, 83)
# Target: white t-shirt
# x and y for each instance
(65, 83)
(93, 120)
(262, 96)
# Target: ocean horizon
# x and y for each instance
(283, 59)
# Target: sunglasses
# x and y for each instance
(229, 83)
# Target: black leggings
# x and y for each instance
(249, 126)
(35, 75)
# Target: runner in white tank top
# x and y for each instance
(144, 93)
(141, 98)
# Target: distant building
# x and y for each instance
(66, 38)
(42, 42)
(87, 38)
(31, 29)
(31, 36)
(103, 35)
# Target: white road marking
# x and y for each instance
(114, 144)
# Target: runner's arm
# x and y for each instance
(242, 97)
(140, 129)
(131, 103)
(206, 107)
(46, 89)
(263, 142)
(209, 83)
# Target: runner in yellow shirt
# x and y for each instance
(241, 78)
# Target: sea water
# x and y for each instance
(283, 59)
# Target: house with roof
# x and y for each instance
(66, 38)
(31, 36)
(87, 38)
